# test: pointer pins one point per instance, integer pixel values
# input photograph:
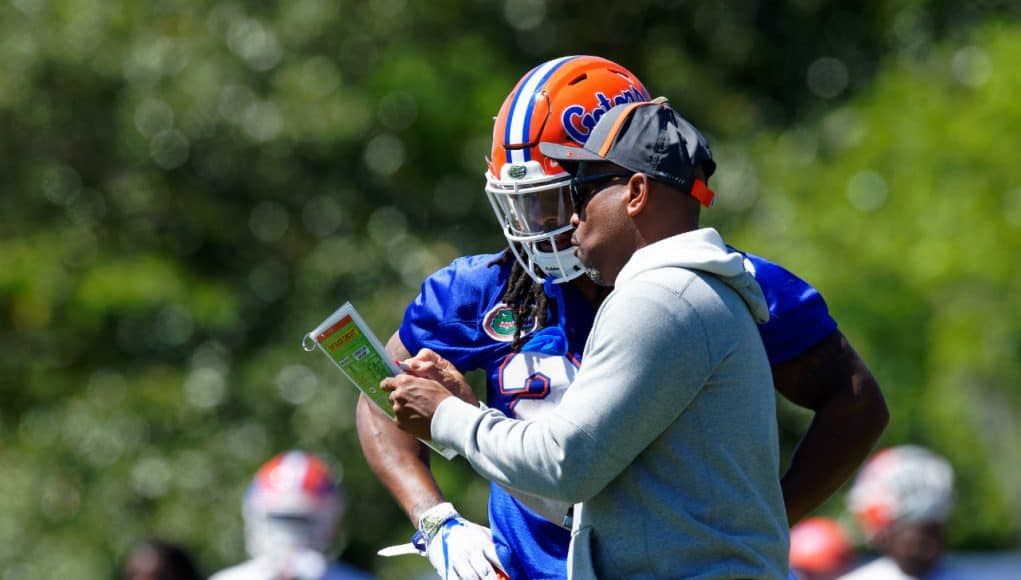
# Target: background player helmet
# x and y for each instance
(820, 546)
(558, 101)
(902, 484)
(292, 503)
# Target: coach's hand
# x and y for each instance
(428, 364)
(414, 401)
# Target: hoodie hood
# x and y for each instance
(702, 249)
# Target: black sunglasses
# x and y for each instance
(585, 188)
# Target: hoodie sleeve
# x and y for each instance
(646, 337)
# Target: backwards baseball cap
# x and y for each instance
(645, 137)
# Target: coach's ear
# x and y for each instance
(637, 194)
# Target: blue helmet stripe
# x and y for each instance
(524, 104)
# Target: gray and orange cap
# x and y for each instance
(646, 137)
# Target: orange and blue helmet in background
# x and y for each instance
(292, 503)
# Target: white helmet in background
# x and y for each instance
(292, 504)
(907, 483)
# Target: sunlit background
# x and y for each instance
(187, 187)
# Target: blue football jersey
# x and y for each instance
(460, 315)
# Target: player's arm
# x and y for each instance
(399, 461)
(850, 415)
(456, 547)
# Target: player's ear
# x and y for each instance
(637, 194)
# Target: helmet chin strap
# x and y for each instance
(562, 265)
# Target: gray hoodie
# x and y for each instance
(667, 439)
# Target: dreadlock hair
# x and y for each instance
(525, 297)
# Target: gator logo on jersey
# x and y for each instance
(499, 323)
(579, 121)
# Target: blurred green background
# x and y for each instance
(186, 187)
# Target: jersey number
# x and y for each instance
(533, 383)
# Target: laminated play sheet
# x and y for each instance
(347, 341)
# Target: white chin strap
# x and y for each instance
(562, 266)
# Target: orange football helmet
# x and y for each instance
(558, 101)
(820, 546)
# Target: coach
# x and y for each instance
(667, 439)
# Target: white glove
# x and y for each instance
(457, 548)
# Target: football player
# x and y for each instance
(155, 559)
(523, 315)
(291, 510)
(902, 500)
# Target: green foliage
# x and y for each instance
(914, 187)
(188, 187)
